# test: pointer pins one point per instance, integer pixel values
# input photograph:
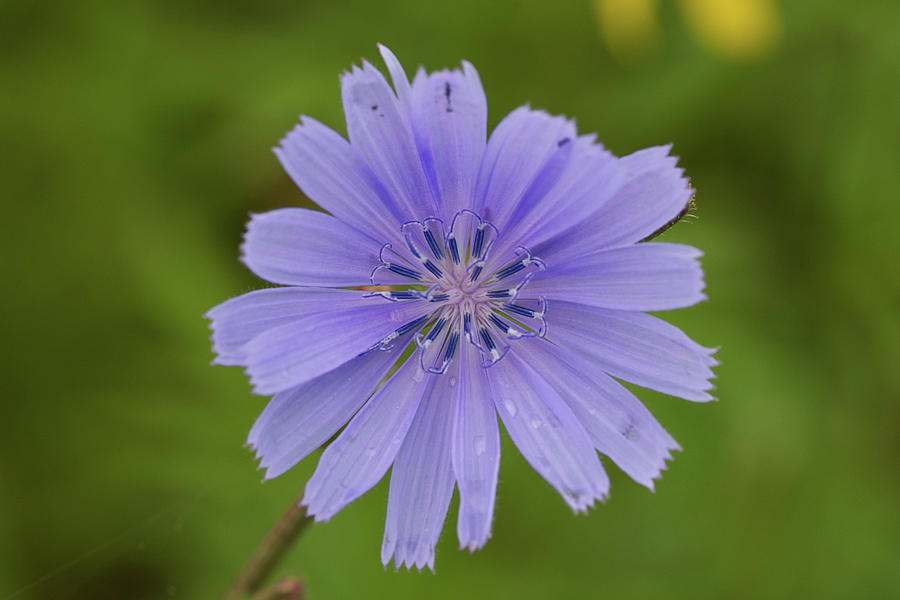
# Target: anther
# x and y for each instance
(519, 310)
(411, 325)
(504, 327)
(491, 347)
(404, 295)
(511, 269)
(400, 270)
(488, 340)
(454, 251)
(451, 347)
(479, 241)
(435, 331)
(433, 268)
(432, 243)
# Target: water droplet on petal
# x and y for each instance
(510, 408)
(536, 423)
(480, 445)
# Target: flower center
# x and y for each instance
(471, 295)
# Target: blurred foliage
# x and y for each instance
(134, 140)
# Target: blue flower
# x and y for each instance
(456, 277)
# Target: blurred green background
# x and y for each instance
(135, 139)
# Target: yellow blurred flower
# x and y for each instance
(734, 29)
(740, 29)
(630, 27)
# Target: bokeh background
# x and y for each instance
(135, 139)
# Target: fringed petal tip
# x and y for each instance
(581, 503)
(262, 464)
(317, 512)
(474, 545)
(710, 361)
(473, 529)
(410, 556)
(293, 135)
(666, 458)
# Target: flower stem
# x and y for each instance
(288, 588)
(267, 555)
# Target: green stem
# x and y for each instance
(268, 554)
(288, 588)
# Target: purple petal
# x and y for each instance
(380, 131)
(362, 453)
(547, 433)
(635, 347)
(525, 156)
(295, 246)
(237, 321)
(653, 194)
(592, 175)
(316, 343)
(421, 481)
(335, 177)
(619, 425)
(650, 276)
(299, 420)
(475, 451)
(449, 117)
(398, 76)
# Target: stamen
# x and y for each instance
(504, 327)
(467, 326)
(492, 348)
(435, 331)
(479, 240)
(488, 340)
(519, 310)
(404, 295)
(395, 296)
(400, 270)
(385, 342)
(451, 347)
(433, 230)
(501, 293)
(433, 268)
(511, 269)
(510, 331)
(454, 251)
(540, 315)
(432, 243)
(411, 325)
